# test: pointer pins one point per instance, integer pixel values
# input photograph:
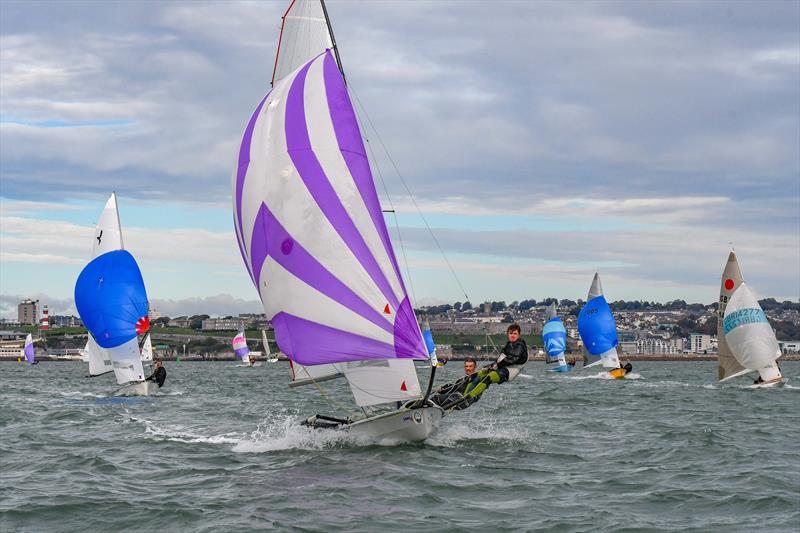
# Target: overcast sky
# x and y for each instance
(542, 141)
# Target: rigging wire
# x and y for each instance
(410, 195)
(394, 214)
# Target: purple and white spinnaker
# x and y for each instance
(240, 348)
(28, 351)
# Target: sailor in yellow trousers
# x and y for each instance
(505, 368)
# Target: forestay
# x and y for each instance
(749, 334)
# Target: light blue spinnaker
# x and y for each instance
(554, 336)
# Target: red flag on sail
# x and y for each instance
(386, 310)
(403, 387)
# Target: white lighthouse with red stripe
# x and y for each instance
(45, 318)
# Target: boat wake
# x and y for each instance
(177, 433)
(470, 431)
(285, 433)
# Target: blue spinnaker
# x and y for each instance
(428, 338)
(555, 339)
(597, 326)
(111, 299)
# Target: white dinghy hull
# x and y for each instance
(774, 384)
(141, 388)
(403, 425)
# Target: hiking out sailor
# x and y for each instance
(449, 394)
(505, 368)
(628, 367)
(469, 366)
(159, 374)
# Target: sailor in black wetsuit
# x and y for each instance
(159, 374)
(507, 366)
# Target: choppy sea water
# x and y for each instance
(219, 449)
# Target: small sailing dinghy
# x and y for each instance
(112, 302)
(271, 357)
(312, 235)
(241, 350)
(598, 331)
(746, 341)
(554, 336)
(29, 352)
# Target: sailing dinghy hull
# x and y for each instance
(617, 373)
(141, 388)
(403, 425)
(774, 384)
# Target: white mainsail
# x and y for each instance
(272, 358)
(97, 357)
(728, 367)
(108, 232)
(305, 34)
(749, 334)
(147, 349)
(372, 384)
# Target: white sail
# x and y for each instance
(147, 349)
(609, 359)
(97, 357)
(372, 384)
(272, 358)
(728, 366)
(126, 360)
(304, 36)
(108, 233)
(309, 374)
(749, 334)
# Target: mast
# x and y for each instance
(333, 41)
(119, 223)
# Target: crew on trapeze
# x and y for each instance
(505, 368)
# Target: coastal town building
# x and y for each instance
(65, 321)
(28, 312)
(788, 347)
(700, 343)
(224, 324)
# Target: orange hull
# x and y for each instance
(617, 373)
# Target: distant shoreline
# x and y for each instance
(642, 357)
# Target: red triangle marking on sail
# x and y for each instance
(403, 387)
(386, 310)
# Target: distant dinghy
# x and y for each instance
(554, 336)
(598, 331)
(747, 342)
(112, 302)
(29, 352)
(240, 348)
(271, 357)
(312, 235)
